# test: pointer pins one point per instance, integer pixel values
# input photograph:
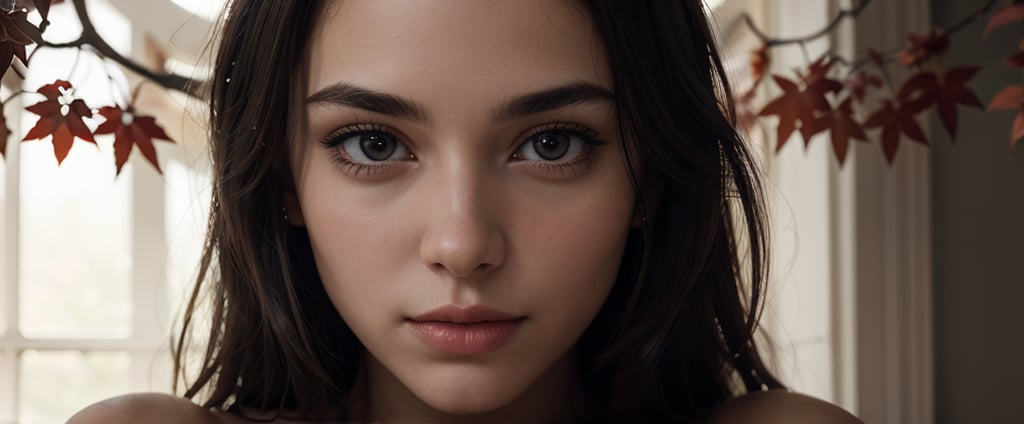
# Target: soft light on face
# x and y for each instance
(462, 153)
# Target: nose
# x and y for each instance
(463, 237)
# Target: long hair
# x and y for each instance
(675, 336)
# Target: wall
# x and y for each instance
(978, 234)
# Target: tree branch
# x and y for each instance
(90, 37)
(969, 19)
(831, 26)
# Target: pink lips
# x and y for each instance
(475, 330)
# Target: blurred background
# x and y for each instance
(895, 291)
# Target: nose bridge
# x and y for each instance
(463, 237)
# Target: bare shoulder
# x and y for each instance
(780, 407)
(145, 408)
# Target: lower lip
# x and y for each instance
(465, 339)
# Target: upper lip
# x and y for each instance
(459, 315)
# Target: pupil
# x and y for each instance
(551, 146)
(377, 147)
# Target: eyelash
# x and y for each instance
(583, 159)
(334, 140)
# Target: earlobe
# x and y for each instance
(292, 210)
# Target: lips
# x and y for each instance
(471, 331)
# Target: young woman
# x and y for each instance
(468, 211)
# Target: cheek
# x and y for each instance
(361, 241)
(571, 254)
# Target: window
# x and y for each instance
(82, 320)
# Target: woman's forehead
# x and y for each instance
(461, 50)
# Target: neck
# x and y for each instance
(557, 396)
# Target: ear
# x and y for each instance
(293, 209)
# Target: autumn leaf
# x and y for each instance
(895, 119)
(860, 82)
(818, 69)
(787, 107)
(14, 36)
(130, 130)
(924, 47)
(759, 61)
(1011, 98)
(1004, 16)
(1017, 59)
(800, 108)
(842, 127)
(876, 57)
(925, 89)
(60, 115)
(43, 6)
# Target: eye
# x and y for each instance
(556, 144)
(373, 147)
(366, 144)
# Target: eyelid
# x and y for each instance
(334, 141)
(334, 138)
(588, 136)
(572, 128)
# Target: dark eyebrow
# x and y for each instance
(551, 99)
(542, 101)
(349, 95)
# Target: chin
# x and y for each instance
(469, 393)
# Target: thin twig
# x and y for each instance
(831, 26)
(969, 19)
(92, 38)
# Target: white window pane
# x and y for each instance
(75, 244)
(188, 206)
(3, 245)
(54, 385)
(8, 369)
(75, 221)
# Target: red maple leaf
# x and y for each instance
(759, 61)
(925, 89)
(130, 130)
(16, 32)
(842, 127)
(876, 57)
(60, 115)
(1004, 16)
(44, 7)
(1011, 98)
(1017, 59)
(859, 83)
(894, 120)
(818, 69)
(924, 47)
(801, 107)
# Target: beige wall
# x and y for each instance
(978, 233)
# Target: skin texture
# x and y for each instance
(466, 216)
(461, 218)
(772, 407)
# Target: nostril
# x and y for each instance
(461, 272)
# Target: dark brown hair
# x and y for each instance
(674, 338)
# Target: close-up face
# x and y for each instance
(464, 190)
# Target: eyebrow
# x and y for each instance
(343, 94)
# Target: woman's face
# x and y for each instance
(464, 191)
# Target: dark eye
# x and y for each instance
(551, 146)
(369, 147)
(554, 147)
(377, 147)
